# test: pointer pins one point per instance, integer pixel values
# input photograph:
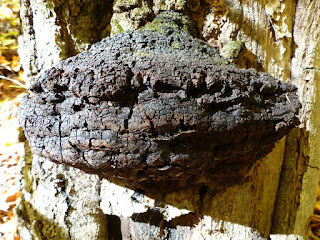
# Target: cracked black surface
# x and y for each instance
(158, 111)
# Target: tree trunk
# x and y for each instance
(278, 196)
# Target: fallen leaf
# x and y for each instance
(15, 64)
(4, 61)
(20, 75)
(6, 42)
(13, 197)
(5, 12)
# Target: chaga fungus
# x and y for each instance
(158, 110)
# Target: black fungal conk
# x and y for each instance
(158, 110)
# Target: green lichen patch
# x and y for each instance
(232, 49)
(237, 53)
(131, 19)
(171, 19)
(116, 23)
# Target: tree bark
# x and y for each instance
(280, 37)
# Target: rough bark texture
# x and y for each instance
(279, 37)
(158, 111)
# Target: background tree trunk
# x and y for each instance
(280, 37)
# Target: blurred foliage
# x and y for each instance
(10, 69)
(9, 25)
(10, 95)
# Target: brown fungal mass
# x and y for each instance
(157, 110)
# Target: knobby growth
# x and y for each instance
(158, 110)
